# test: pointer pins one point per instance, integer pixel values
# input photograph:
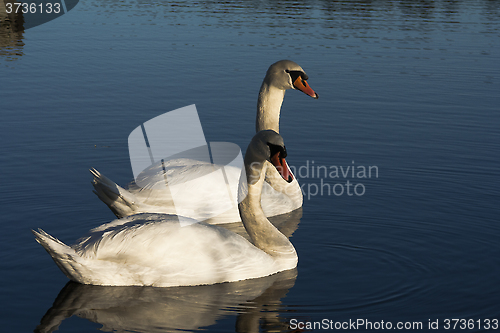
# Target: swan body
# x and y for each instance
(281, 76)
(156, 250)
(202, 206)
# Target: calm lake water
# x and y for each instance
(408, 88)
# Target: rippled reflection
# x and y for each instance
(257, 13)
(146, 309)
(11, 33)
(320, 19)
(423, 8)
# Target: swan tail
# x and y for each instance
(119, 200)
(65, 305)
(65, 257)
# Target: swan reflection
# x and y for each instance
(149, 309)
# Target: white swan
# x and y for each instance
(282, 75)
(155, 250)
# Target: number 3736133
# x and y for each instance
(485, 324)
(25, 8)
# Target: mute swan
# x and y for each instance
(281, 76)
(154, 250)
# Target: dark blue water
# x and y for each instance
(408, 90)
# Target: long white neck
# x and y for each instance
(263, 234)
(269, 107)
(268, 117)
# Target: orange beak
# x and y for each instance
(302, 85)
(282, 167)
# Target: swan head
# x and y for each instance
(286, 74)
(266, 146)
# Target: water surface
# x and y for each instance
(407, 88)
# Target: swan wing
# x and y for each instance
(155, 250)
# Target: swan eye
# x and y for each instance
(296, 74)
(277, 149)
(283, 152)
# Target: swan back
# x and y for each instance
(156, 250)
